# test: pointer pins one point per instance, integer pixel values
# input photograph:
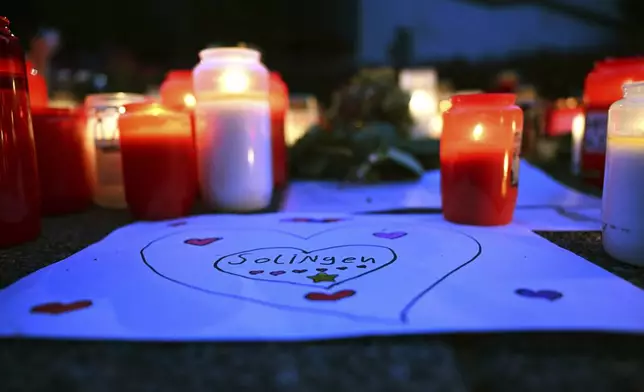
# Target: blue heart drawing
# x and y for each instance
(550, 295)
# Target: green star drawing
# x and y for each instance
(322, 277)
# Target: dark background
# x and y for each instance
(313, 43)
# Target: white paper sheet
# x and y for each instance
(220, 278)
(536, 188)
(559, 219)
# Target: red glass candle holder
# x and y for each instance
(19, 188)
(37, 87)
(176, 90)
(479, 159)
(63, 160)
(278, 96)
(159, 166)
(603, 87)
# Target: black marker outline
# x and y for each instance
(393, 258)
(403, 316)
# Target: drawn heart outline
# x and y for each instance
(390, 235)
(403, 315)
(550, 295)
(202, 241)
(393, 257)
(56, 308)
(338, 295)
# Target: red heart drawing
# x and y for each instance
(330, 297)
(59, 308)
(202, 241)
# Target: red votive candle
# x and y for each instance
(63, 161)
(479, 156)
(159, 167)
(278, 96)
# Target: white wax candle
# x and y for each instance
(234, 154)
(623, 200)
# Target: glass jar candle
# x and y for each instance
(103, 111)
(279, 105)
(63, 162)
(19, 188)
(303, 113)
(176, 90)
(479, 159)
(159, 168)
(233, 129)
(422, 86)
(603, 86)
(623, 197)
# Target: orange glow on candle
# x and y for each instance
(176, 90)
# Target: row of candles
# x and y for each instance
(219, 130)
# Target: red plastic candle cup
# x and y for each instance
(37, 87)
(603, 87)
(63, 160)
(278, 96)
(479, 157)
(158, 156)
(176, 90)
(19, 188)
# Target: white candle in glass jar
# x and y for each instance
(233, 129)
(623, 196)
(235, 159)
(103, 111)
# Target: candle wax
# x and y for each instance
(159, 175)
(63, 166)
(623, 201)
(234, 154)
(479, 187)
(279, 149)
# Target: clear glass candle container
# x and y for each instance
(303, 112)
(623, 197)
(422, 86)
(233, 129)
(103, 111)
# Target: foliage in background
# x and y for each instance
(365, 137)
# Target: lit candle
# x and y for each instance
(37, 87)
(479, 158)
(233, 129)
(421, 84)
(303, 113)
(103, 111)
(176, 90)
(159, 168)
(623, 196)
(279, 104)
(578, 124)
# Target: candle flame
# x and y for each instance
(477, 133)
(234, 81)
(189, 100)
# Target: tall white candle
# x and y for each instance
(235, 161)
(233, 131)
(623, 196)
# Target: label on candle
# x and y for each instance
(595, 131)
(516, 159)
